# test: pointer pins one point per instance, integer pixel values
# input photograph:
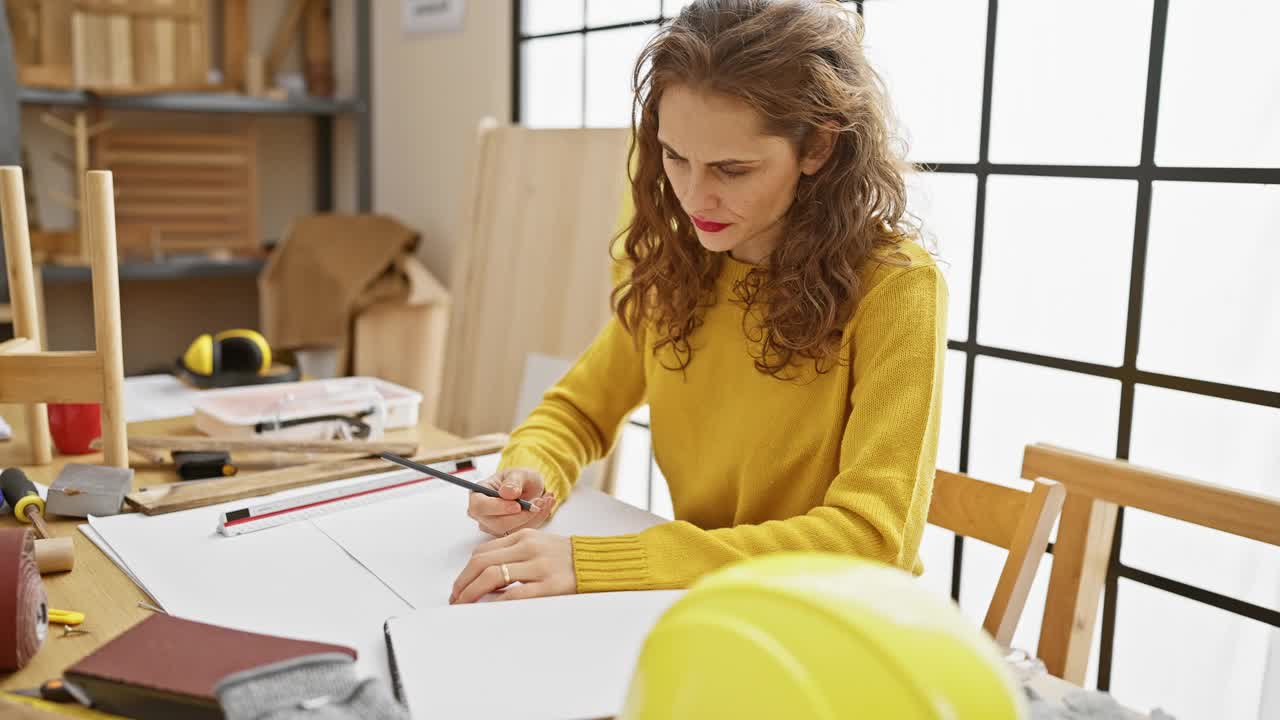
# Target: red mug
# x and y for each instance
(74, 426)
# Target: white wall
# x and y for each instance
(429, 93)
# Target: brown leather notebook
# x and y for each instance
(166, 667)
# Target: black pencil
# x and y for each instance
(482, 489)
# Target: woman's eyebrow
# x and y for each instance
(717, 163)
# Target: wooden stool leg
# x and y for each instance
(101, 222)
(22, 295)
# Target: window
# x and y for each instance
(1102, 182)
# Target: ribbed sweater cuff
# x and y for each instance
(605, 564)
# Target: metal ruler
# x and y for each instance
(382, 487)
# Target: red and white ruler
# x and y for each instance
(301, 507)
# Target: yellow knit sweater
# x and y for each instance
(838, 462)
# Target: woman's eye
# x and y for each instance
(674, 158)
(733, 173)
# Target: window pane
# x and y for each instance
(551, 82)
(547, 16)
(952, 411)
(980, 567)
(611, 59)
(930, 55)
(631, 458)
(612, 12)
(1016, 404)
(944, 203)
(1219, 441)
(1210, 271)
(1070, 82)
(671, 8)
(1220, 89)
(936, 552)
(660, 494)
(1188, 659)
(1056, 259)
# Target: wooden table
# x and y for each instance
(96, 586)
(110, 599)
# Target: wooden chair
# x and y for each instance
(33, 377)
(1096, 487)
(1014, 519)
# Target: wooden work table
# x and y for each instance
(110, 599)
(96, 587)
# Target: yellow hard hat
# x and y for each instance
(811, 635)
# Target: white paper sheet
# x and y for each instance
(447, 658)
(336, 578)
(94, 537)
(433, 536)
(290, 580)
(6, 432)
(156, 397)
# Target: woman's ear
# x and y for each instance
(818, 149)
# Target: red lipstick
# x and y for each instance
(707, 225)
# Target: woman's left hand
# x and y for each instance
(540, 561)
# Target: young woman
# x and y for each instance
(780, 318)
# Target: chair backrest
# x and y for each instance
(1096, 487)
(33, 377)
(540, 373)
(1017, 520)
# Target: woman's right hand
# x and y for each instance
(503, 516)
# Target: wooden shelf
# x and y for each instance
(175, 269)
(191, 102)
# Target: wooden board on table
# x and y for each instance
(172, 442)
(160, 499)
(541, 204)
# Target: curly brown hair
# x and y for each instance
(800, 65)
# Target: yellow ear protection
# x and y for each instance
(235, 351)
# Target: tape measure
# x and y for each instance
(380, 487)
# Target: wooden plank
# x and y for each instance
(56, 35)
(57, 377)
(197, 43)
(160, 499)
(120, 48)
(317, 47)
(1080, 559)
(113, 156)
(976, 508)
(235, 42)
(526, 211)
(1025, 555)
(165, 30)
(144, 51)
(80, 73)
(24, 31)
(283, 39)
(1250, 515)
(158, 193)
(135, 8)
(101, 221)
(339, 447)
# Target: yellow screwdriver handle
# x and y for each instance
(65, 617)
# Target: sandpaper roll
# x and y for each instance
(24, 609)
(55, 555)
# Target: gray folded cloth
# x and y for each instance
(1083, 705)
(315, 687)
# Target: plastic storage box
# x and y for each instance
(311, 409)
